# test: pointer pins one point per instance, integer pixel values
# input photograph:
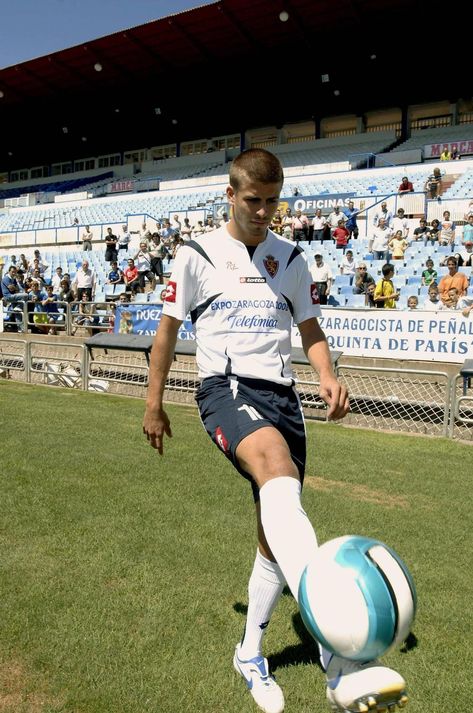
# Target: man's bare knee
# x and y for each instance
(264, 454)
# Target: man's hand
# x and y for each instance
(155, 425)
(335, 396)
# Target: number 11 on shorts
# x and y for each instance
(252, 412)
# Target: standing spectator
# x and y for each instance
(35, 265)
(318, 223)
(143, 261)
(223, 220)
(209, 224)
(300, 226)
(362, 280)
(385, 294)
(433, 185)
(351, 225)
(176, 224)
(447, 230)
(432, 303)
(347, 264)
(276, 223)
(398, 245)
(406, 186)
(323, 278)
(446, 155)
(84, 282)
(145, 232)
(467, 236)
(401, 223)
(87, 237)
(333, 219)
(429, 275)
(341, 235)
(287, 221)
(23, 263)
(186, 230)
(166, 233)
(124, 239)
(385, 214)
(57, 279)
(111, 242)
(454, 279)
(198, 229)
(379, 241)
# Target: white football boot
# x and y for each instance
(354, 687)
(262, 686)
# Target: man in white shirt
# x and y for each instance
(318, 223)
(334, 217)
(379, 240)
(384, 213)
(84, 282)
(400, 222)
(322, 276)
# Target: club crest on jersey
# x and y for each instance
(314, 294)
(221, 440)
(271, 265)
(169, 294)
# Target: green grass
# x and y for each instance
(123, 575)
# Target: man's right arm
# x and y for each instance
(156, 422)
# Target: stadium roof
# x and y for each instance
(221, 68)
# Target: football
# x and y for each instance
(357, 597)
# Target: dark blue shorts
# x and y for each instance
(233, 407)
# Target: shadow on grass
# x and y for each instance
(409, 644)
(306, 652)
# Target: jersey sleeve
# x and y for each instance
(306, 303)
(180, 292)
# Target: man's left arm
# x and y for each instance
(317, 351)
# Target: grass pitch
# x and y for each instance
(123, 574)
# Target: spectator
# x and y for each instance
(362, 280)
(51, 309)
(385, 214)
(318, 223)
(434, 231)
(323, 278)
(446, 155)
(158, 253)
(447, 230)
(130, 275)
(467, 235)
(385, 294)
(36, 297)
(412, 302)
(198, 229)
(143, 261)
(43, 266)
(111, 242)
(455, 156)
(57, 279)
(10, 287)
(347, 264)
(23, 263)
(287, 220)
(186, 230)
(422, 231)
(124, 239)
(167, 233)
(467, 254)
(84, 282)
(340, 235)
(432, 303)
(38, 275)
(209, 224)
(401, 223)
(454, 279)
(429, 275)
(300, 226)
(398, 245)
(176, 224)
(379, 241)
(276, 223)
(433, 185)
(450, 302)
(351, 225)
(66, 293)
(469, 210)
(109, 319)
(87, 237)
(334, 218)
(86, 316)
(406, 186)
(145, 232)
(223, 220)
(369, 295)
(115, 275)
(35, 264)
(465, 304)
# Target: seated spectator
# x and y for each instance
(455, 279)
(115, 276)
(433, 185)
(223, 220)
(347, 265)
(432, 303)
(11, 290)
(412, 302)
(22, 263)
(467, 235)
(130, 276)
(446, 155)
(465, 304)
(444, 261)
(369, 295)
(434, 231)
(209, 224)
(86, 316)
(35, 264)
(362, 280)
(198, 229)
(186, 230)
(467, 254)
(57, 279)
(385, 294)
(341, 234)
(398, 245)
(39, 318)
(447, 230)
(455, 156)
(323, 278)
(406, 186)
(178, 243)
(51, 309)
(287, 231)
(429, 275)
(43, 266)
(66, 293)
(422, 231)
(379, 241)
(451, 300)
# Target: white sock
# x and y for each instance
(264, 589)
(288, 530)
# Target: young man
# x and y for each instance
(243, 286)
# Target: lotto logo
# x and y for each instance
(221, 440)
(314, 294)
(170, 292)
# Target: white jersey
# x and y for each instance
(242, 308)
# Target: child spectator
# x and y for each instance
(432, 303)
(447, 230)
(422, 231)
(398, 245)
(451, 300)
(341, 234)
(429, 275)
(323, 278)
(467, 236)
(385, 294)
(434, 231)
(412, 302)
(347, 265)
(369, 295)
